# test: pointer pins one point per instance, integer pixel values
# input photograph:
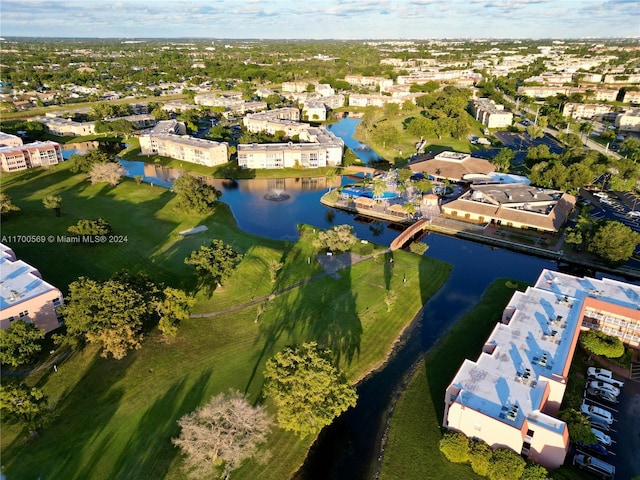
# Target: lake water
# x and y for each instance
(345, 129)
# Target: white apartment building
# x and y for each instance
(8, 140)
(169, 140)
(490, 114)
(36, 154)
(25, 295)
(631, 97)
(372, 100)
(510, 395)
(285, 119)
(381, 83)
(324, 149)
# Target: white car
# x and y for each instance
(601, 414)
(607, 387)
(634, 213)
(600, 195)
(602, 437)
(604, 375)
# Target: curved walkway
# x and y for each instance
(330, 264)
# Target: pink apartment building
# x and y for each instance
(24, 294)
(509, 397)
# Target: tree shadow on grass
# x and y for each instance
(79, 420)
(149, 451)
(323, 311)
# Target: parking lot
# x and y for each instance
(617, 419)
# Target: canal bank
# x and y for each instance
(486, 235)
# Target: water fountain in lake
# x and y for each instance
(277, 195)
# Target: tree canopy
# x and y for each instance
(613, 241)
(599, 343)
(455, 446)
(20, 343)
(307, 388)
(23, 404)
(578, 425)
(503, 160)
(337, 239)
(173, 309)
(52, 202)
(7, 205)
(193, 194)
(84, 163)
(109, 313)
(215, 263)
(90, 227)
(219, 436)
(110, 173)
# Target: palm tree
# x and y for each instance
(586, 128)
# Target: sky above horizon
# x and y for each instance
(321, 19)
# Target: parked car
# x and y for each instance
(600, 385)
(598, 413)
(601, 394)
(602, 437)
(595, 465)
(604, 375)
(599, 424)
(595, 449)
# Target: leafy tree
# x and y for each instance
(379, 187)
(23, 404)
(480, 456)
(571, 140)
(110, 313)
(53, 202)
(455, 446)
(20, 343)
(84, 163)
(173, 309)
(215, 263)
(7, 205)
(630, 148)
(193, 194)
(586, 128)
(307, 388)
(386, 134)
(337, 239)
(608, 135)
(503, 160)
(424, 185)
(219, 436)
(90, 227)
(599, 343)
(534, 132)
(533, 471)
(505, 465)
(138, 179)
(613, 241)
(578, 425)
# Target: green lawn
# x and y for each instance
(114, 419)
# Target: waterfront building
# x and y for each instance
(36, 154)
(453, 166)
(516, 205)
(510, 395)
(25, 295)
(322, 149)
(169, 140)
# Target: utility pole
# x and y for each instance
(535, 122)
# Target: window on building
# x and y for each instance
(24, 314)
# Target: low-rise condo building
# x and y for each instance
(169, 140)
(8, 140)
(36, 154)
(584, 110)
(510, 395)
(25, 295)
(63, 127)
(490, 114)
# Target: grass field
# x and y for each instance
(412, 451)
(115, 419)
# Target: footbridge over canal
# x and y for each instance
(409, 234)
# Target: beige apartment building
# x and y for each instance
(510, 395)
(36, 154)
(8, 140)
(629, 121)
(490, 114)
(63, 127)
(169, 140)
(25, 295)
(584, 110)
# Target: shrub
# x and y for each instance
(455, 446)
(418, 247)
(480, 456)
(599, 343)
(505, 464)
